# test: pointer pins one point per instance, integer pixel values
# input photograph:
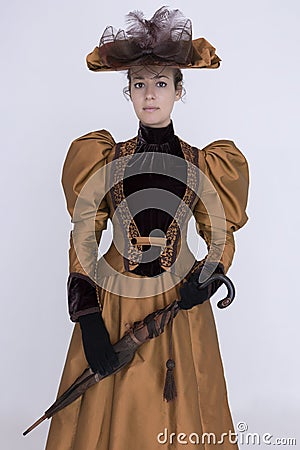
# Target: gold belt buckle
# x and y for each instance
(151, 240)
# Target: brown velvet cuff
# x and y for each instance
(82, 297)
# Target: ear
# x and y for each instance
(178, 93)
(127, 93)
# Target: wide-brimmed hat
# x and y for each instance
(164, 40)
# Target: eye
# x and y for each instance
(138, 85)
(161, 84)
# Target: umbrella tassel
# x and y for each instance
(170, 391)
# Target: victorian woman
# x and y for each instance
(149, 187)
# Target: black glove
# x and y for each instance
(191, 293)
(98, 349)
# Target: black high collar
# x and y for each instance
(152, 135)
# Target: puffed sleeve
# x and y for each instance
(83, 180)
(221, 208)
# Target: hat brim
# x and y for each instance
(203, 57)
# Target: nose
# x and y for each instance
(150, 95)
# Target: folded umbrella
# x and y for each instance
(151, 326)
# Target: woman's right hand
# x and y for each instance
(98, 349)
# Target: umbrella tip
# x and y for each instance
(40, 420)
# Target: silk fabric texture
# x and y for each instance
(127, 411)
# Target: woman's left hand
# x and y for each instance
(191, 293)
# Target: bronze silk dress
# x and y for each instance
(126, 411)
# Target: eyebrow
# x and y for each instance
(156, 76)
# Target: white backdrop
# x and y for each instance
(49, 98)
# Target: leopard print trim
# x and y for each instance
(133, 253)
(168, 255)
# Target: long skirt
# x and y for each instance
(127, 411)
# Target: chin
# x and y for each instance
(155, 123)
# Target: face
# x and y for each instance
(153, 94)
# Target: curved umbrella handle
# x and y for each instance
(230, 288)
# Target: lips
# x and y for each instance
(150, 108)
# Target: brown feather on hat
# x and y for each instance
(165, 39)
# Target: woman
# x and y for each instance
(149, 187)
